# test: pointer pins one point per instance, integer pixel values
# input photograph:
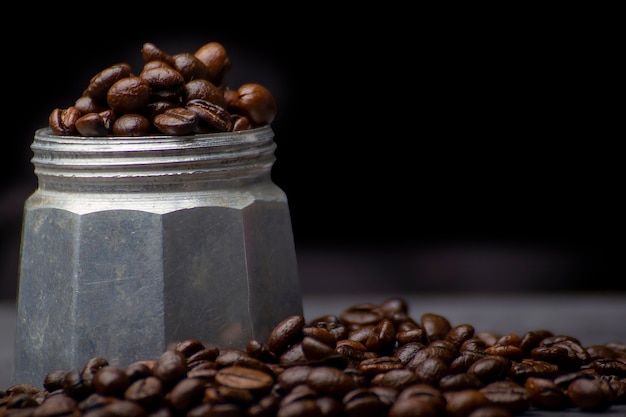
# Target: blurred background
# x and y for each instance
(437, 151)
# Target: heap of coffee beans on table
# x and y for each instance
(181, 94)
(371, 360)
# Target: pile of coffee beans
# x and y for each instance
(181, 94)
(371, 360)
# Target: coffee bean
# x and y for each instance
(63, 121)
(214, 116)
(129, 95)
(131, 124)
(176, 121)
(100, 83)
(111, 380)
(244, 378)
(436, 326)
(171, 367)
(147, 392)
(213, 55)
(285, 334)
(590, 394)
(344, 365)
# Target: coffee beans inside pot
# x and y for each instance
(372, 360)
(180, 94)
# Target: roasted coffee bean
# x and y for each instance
(258, 350)
(54, 380)
(330, 381)
(129, 95)
(609, 367)
(94, 401)
(458, 382)
(190, 346)
(489, 338)
(131, 124)
(430, 370)
(74, 385)
(209, 354)
(171, 367)
(123, 408)
(205, 371)
(86, 104)
(459, 334)
(413, 407)
(201, 89)
(435, 326)
(374, 366)
(93, 124)
(321, 334)
(265, 407)
(473, 344)
(363, 402)
(602, 352)
(150, 52)
(565, 353)
(383, 338)
(214, 116)
(111, 380)
(20, 401)
(415, 335)
(139, 369)
(397, 379)
(508, 394)
(187, 393)
(406, 352)
(329, 367)
(100, 83)
(394, 306)
(298, 393)
(285, 334)
(214, 56)
(316, 350)
(462, 403)
(176, 121)
(530, 367)
(361, 333)
(441, 349)
(510, 339)
(239, 122)
(294, 355)
(302, 408)
(329, 406)
(162, 78)
(256, 103)
(461, 363)
(339, 330)
(57, 405)
(244, 378)
(511, 352)
(545, 394)
(361, 315)
(295, 375)
(190, 67)
(532, 339)
(63, 121)
(491, 411)
(490, 368)
(590, 394)
(146, 391)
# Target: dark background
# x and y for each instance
(448, 150)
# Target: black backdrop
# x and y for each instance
(392, 128)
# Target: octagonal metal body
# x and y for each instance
(132, 244)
